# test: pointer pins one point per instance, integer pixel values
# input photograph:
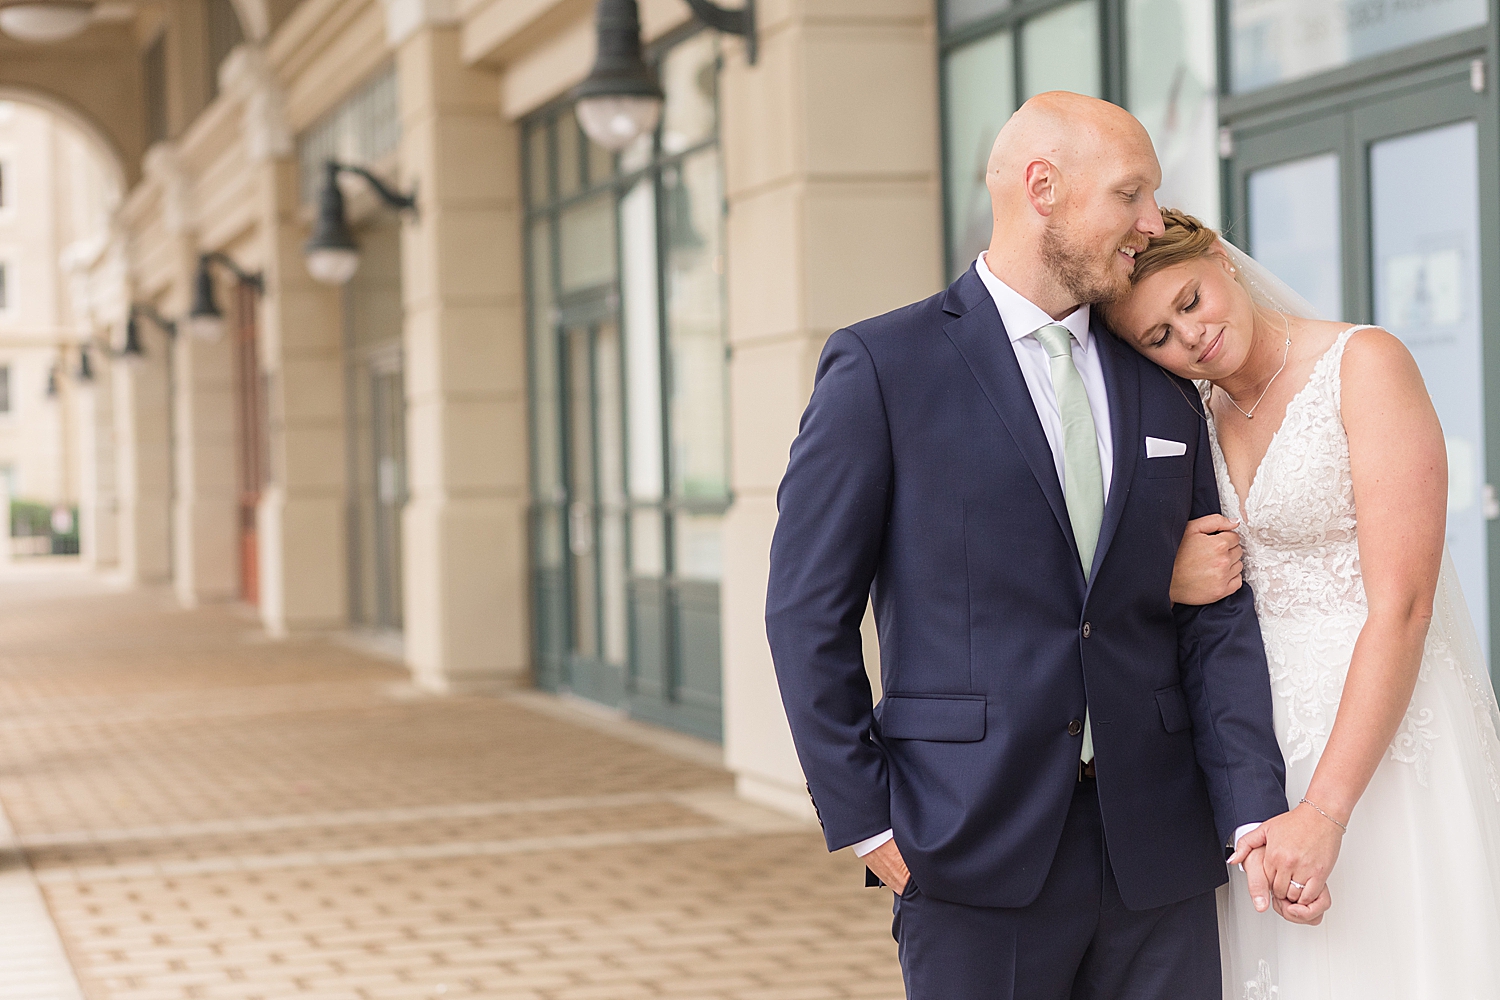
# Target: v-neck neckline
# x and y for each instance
(1242, 504)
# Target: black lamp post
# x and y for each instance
(332, 255)
(85, 366)
(205, 319)
(621, 100)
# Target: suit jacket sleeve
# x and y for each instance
(833, 506)
(1229, 691)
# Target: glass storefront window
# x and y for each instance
(689, 75)
(1055, 48)
(1171, 69)
(1295, 229)
(628, 381)
(1274, 41)
(1060, 51)
(980, 80)
(695, 303)
(962, 13)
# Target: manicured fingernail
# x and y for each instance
(1260, 903)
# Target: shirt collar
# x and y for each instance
(1022, 317)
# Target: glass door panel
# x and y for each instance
(599, 637)
(582, 527)
(1295, 228)
(390, 492)
(1426, 284)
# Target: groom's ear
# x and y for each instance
(1041, 185)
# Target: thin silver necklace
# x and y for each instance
(1285, 357)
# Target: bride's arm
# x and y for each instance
(1400, 472)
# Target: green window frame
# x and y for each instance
(994, 54)
(648, 308)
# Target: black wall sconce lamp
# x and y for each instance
(132, 352)
(621, 100)
(332, 255)
(85, 371)
(205, 320)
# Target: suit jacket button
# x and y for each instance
(1075, 727)
(1087, 628)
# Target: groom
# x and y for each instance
(1061, 757)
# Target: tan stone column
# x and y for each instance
(143, 460)
(300, 520)
(205, 554)
(300, 523)
(831, 152)
(464, 526)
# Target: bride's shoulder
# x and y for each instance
(1376, 364)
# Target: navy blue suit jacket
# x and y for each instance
(922, 478)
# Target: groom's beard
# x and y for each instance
(1087, 273)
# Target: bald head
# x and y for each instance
(1073, 181)
(1070, 131)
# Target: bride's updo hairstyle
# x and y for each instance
(1186, 239)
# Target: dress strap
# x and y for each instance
(1330, 367)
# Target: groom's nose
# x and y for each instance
(1151, 222)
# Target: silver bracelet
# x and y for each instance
(1305, 802)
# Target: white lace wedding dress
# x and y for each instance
(1416, 892)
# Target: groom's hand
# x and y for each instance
(885, 861)
(1209, 563)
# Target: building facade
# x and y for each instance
(57, 192)
(535, 437)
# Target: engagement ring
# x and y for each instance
(1296, 884)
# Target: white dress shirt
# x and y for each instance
(1022, 318)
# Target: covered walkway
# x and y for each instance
(195, 811)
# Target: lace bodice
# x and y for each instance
(1297, 522)
(1301, 547)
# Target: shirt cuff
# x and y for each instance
(1239, 835)
(866, 846)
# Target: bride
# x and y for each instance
(1332, 469)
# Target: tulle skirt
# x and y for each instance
(1416, 891)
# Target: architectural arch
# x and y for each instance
(99, 88)
(103, 142)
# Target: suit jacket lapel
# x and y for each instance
(982, 340)
(1122, 383)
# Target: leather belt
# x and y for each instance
(1085, 770)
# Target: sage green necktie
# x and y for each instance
(1083, 480)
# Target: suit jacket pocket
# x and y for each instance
(1174, 709)
(944, 718)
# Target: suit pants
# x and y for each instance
(1076, 941)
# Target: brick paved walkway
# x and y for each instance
(208, 814)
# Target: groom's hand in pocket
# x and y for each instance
(886, 862)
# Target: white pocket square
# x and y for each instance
(1161, 448)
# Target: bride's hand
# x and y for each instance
(1307, 910)
(1208, 562)
(1300, 846)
